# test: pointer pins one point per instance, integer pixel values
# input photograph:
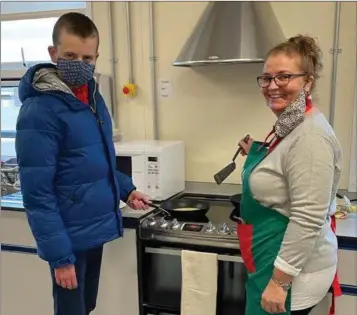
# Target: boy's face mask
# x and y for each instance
(75, 72)
(75, 58)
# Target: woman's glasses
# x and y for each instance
(281, 79)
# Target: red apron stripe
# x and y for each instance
(245, 236)
(336, 288)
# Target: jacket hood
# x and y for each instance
(39, 79)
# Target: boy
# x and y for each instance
(71, 189)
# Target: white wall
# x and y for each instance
(212, 107)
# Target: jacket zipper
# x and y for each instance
(94, 107)
(94, 110)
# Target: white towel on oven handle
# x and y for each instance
(199, 283)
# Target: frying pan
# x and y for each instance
(172, 207)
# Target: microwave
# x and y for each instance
(156, 167)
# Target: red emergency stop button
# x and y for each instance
(129, 89)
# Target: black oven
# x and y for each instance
(159, 259)
(160, 279)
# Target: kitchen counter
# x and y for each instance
(346, 229)
(131, 218)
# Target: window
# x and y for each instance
(10, 106)
(25, 42)
(26, 32)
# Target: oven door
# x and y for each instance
(161, 282)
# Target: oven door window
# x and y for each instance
(161, 281)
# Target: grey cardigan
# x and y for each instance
(300, 179)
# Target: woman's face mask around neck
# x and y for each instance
(292, 115)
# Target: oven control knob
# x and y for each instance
(175, 224)
(151, 222)
(210, 228)
(163, 223)
(224, 229)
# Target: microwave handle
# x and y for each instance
(177, 252)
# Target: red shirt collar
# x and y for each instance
(81, 93)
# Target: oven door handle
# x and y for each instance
(177, 252)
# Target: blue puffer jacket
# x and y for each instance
(71, 189)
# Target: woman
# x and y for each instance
(290, 182)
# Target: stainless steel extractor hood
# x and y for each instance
(230, 32)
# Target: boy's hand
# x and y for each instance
(66, 277)
(138, 201)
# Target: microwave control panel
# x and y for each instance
(153, 173)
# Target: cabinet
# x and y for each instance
(26, 278)
(347, 267)
(118, 288)
(345, 305)
(25, 284)
(15, 229)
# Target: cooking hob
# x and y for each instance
(214, 229)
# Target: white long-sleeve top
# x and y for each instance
(300, 179)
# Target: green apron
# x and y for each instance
(260, 237)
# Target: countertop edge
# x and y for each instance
(344, 242)
(132, 220)
(129, 222)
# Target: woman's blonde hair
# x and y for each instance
(308, 50)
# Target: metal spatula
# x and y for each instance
(222, 175)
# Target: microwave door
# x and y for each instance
(133, 166)
(124, 165)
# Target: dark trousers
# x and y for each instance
(302, 312)
(82, 300)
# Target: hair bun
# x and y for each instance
(308, 47)
(307, 43)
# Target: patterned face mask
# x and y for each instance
(74, 72)
(292, 116)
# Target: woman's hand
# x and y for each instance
(273, 298)
(245, 145)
